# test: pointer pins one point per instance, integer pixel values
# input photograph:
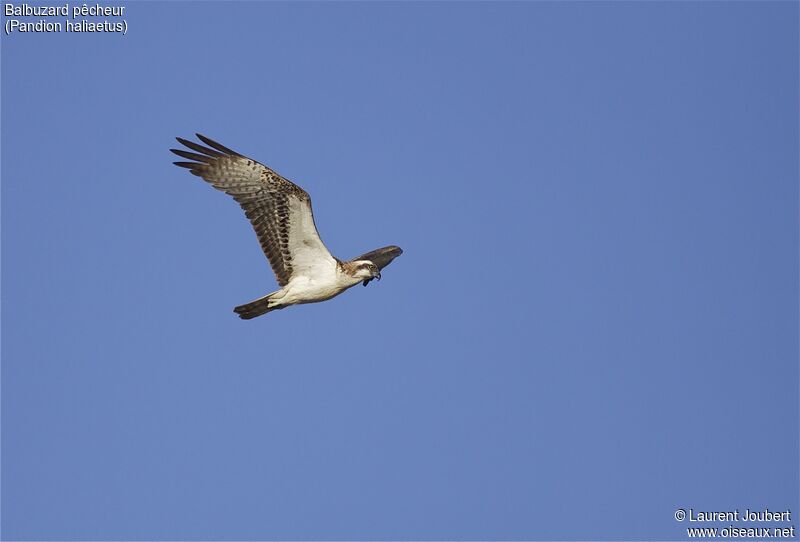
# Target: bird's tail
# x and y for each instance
(255, 308)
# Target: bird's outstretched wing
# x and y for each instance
(279, 210)
(381, 256)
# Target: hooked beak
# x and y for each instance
(367, 281)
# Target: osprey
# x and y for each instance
(280, 212)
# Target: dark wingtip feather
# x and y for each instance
(199, 148)
(214, 144)
(193, 167)
(193, 156)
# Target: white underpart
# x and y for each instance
(315, 273)
(310, 289)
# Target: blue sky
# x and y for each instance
(594, 323)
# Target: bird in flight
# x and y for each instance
(280, 212)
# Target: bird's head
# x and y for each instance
(365, 270)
